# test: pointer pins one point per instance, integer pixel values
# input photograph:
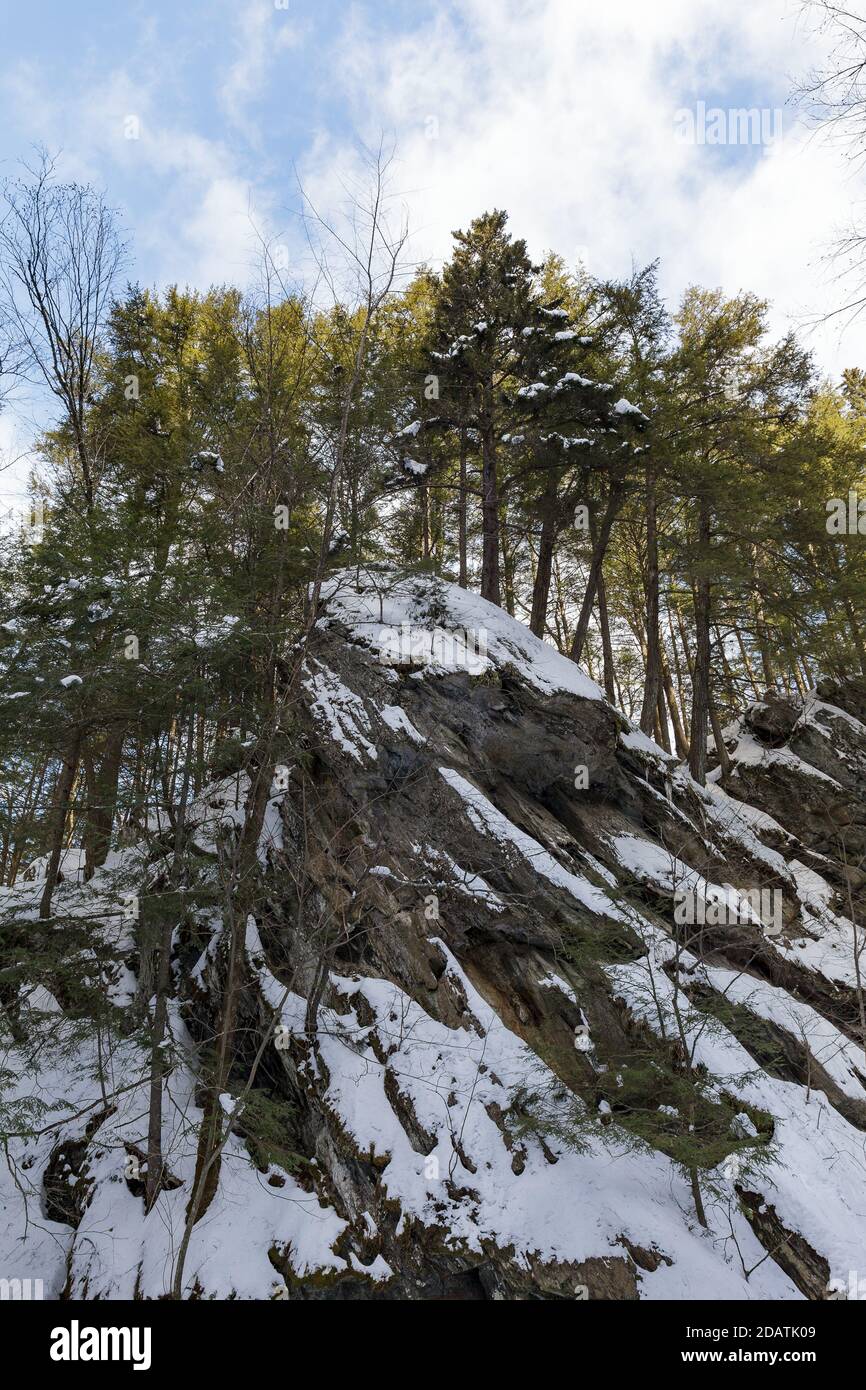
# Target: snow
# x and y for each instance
(757, 819)
(483, 637)
(575, 379)
(735, 825)
(837, 1054)
(116, 1253)
(574, 1196)
(815, 710)
(624, 407)
(567, 442)
(489, 821)
(749, 752)
(637, 740)
(826, 945)
(472, 885)
(340, 712)
(652, 863)
(452, 1079)
(208, 456)
(814, 1149)
(397, 719)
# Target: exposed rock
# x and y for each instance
(523, 1057)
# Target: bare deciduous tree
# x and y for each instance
(60, 252)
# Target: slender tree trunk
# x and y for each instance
(599, 551)
(29, 809)
(730, 682)
(425, 522)
(560, 608)
(767, 664)
(102, 803)
(65, 783)
(721, 750)
(680, 740)
(797, 678)
(509, 564)
(462, 577)
(91, 798)
(163, 980)
(606, 645)
(544, 567)
(661, 722)
(198, 779)
(652, 681)
(701, 675)
(490, 588)
(681, 689)
(744, 653)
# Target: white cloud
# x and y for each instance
(563, 112)
(262, 33)
(196, 226)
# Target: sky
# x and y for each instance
(204, 120)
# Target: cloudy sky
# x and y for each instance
(201, 119)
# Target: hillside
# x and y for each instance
(489, 1058)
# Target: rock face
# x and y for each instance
(542, 1018)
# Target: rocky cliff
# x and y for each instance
(529, 1013)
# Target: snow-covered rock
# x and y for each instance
(524, 1056)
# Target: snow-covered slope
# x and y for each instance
(527, 1076)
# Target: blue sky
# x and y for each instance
(561, 111)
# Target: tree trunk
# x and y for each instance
(163, 980)
(509, 564)
(544, 568)
(599, 551)
(767, 664)
(102, 803)
(425, 522)
(721, 750)
(744, 653)
(652, 681)
(606, 645)
(682, 745)
(65, 783)
(462, 576)
(661, 722)
(701, 675)
(681, 689)
(489, 507)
